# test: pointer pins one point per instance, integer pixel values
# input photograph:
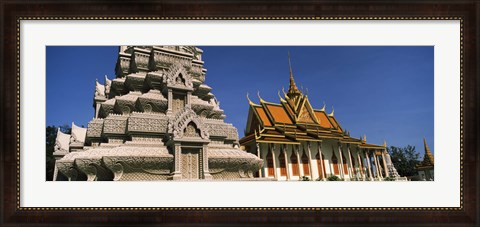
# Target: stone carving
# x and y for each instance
(62, 142)
(108, 85)
(123, 64)
(144, 123)
(99, 89)
(178, 76)
(182, 119)
(95, 128)
(149, 116)
(78, 134)
(191, 131)
(115, 124)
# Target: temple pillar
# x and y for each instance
(385, 168)
(177, 173)
(284, 147)
(309, 154)
(369, 167)
(350, 160)
(261, 171)
(272, 148)
(342, 173)
(378, 163)
(206, 171)
(360, 164)
(299, 160)
(374, 157)
(319, 144)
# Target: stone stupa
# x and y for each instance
(157, 120)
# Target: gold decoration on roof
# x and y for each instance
(428, 159)
(323, 108)
(260, 98)
(250, 101)
(279, 96)
(292, 90)
(331, 114)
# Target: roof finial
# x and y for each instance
(331, 114)
(384, 143)
(249, 101)
(281, 99)
(292, 90)
(258, 94)
(324, 105)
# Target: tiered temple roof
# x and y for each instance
(294, 120)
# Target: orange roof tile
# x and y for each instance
(323, 118)
(335, 124)
(263, 116)
(279, 114)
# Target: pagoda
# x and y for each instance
(157, 120)
(426, 167)
(298, 142)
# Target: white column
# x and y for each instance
(271, 146)
(319, 144)
(350, 160)
(369, 167)
(299, 161)
(309, 154)
(377, 165)
(284, 148)
(360, 164)
(385, 164)
(342, 174)
(261, 170)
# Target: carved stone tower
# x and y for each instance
(158, 120)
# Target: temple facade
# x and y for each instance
(157, 120)
(427, 166)
(296, 141)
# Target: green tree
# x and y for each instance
(50, 146)
(405, 159)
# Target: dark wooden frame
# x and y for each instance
(467, 11)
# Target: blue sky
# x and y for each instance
(383, 92)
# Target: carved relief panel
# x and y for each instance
(178, 103)
(190, 164)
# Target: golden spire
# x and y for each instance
(428, 157)
(292, 90)
(384, 143)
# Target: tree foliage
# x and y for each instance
(405, 159)
(50, 146)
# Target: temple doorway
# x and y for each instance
(190, 163)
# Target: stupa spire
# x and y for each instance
(428, 157)
(292, 90)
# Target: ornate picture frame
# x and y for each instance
(14, 12)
